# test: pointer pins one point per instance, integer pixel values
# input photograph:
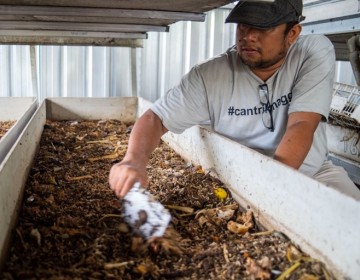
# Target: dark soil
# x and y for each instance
(71, 226)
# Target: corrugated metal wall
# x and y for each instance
(15, 71)
(166, 57)
(84, 71)
(114, 71)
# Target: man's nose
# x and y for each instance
(248, 32)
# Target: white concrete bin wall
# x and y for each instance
(323, 222)
(20, 110)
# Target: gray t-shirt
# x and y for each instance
(224, 93)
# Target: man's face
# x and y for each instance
(261, 48)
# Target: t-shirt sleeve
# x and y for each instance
(313, 87)
(185, 105)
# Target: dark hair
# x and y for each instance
(290, 25)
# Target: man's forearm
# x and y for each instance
(298, 138)
(145, 137)
(294, 148)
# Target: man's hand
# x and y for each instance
(124, 175)
(144, 138)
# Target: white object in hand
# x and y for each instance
(147, 217)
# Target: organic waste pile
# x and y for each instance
(5, 127)
(71, 226)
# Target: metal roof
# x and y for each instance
(95, 22)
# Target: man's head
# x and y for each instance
(266, 13)
(265, 31)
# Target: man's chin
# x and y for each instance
(250, 63)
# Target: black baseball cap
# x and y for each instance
(266, 13)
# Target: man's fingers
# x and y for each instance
(129, 183)
(122, 177)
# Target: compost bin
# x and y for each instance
(320, 220)
(18, 111)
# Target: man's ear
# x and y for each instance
(294, 33)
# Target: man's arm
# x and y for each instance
(298, 138)
(144, 138)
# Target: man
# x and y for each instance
(271, 92)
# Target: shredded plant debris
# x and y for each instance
(71, 227)
(5, 127)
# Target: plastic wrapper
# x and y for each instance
(145, 215)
